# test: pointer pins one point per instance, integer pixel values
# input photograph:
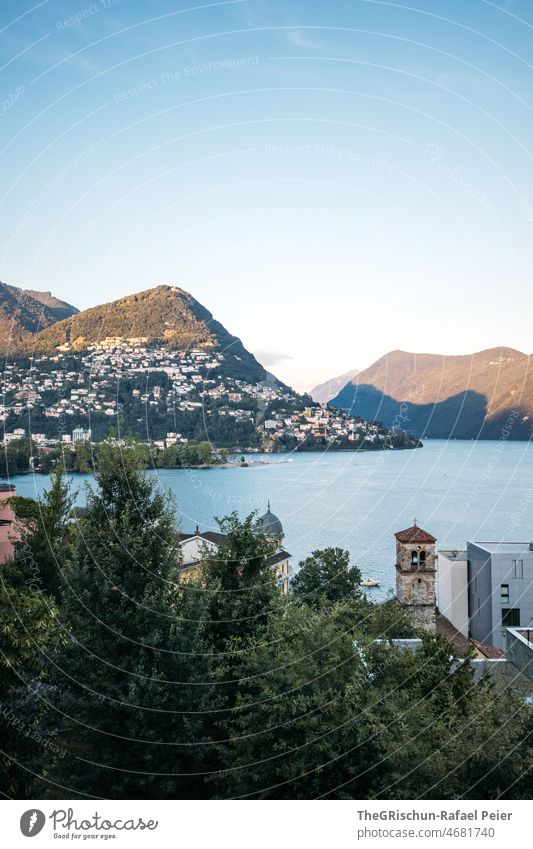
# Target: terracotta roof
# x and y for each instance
(445, 629)
(414, 534)
(488, 651)
(461, 644)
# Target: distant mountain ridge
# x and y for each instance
(25, 312)
(324, 392)
(58, 308)
(463, 397)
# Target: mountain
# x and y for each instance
(324, 392)
(25, 312)
(165, 314)
(58, 308)
(158, 366)
(486, 395)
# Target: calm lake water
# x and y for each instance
(456, 490)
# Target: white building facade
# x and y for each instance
(452, 589)
(500, 589)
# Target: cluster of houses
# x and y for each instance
(78, 434)
(320, 423)
(55, 387)
(169, 382)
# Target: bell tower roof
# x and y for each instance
(415, 534)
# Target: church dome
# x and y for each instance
(270, 525)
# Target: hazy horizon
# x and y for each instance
(332, 182)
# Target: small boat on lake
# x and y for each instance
(369, 582)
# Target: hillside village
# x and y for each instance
(129, 386)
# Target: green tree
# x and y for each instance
(242, 587)
(46, 532)
(48, 460)
(205, 453)
(83, 457)
(16, 455)
(322, 712)
(28, 634)
(291, 714)
(441, 735)
(126, 678)
(386, 621)
(168, 459)
(242, 600)
(326, 577)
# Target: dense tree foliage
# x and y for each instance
(326, 577)
(22, 455)
(123, 676)
(221, 685)
(29, 632)
(15, 456)
(46, 530)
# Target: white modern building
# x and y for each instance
(452, 588)
(486, 589)
(500, 589)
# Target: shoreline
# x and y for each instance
(229, 465)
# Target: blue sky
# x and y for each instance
(332, 180)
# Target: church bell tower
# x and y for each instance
(415, 575)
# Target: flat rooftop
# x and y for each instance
(455, 554)
(505, 547)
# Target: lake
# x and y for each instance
(457, 491)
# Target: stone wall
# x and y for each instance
(424, 617)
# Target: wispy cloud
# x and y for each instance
(300, 39)
(271, 358)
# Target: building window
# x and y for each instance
(505, 594)
(414, 558)
(518, 568)
(422, 558)
(511, 617)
